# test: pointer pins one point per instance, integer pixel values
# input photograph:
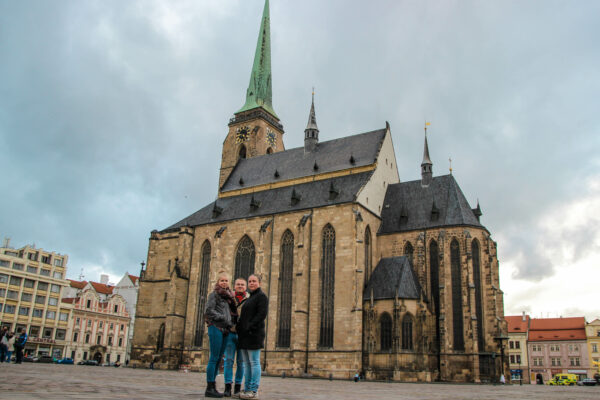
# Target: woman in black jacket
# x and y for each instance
(220, 308)
(251, 335)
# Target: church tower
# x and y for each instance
(426, 165)
(255, 129)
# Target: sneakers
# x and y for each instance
(249, 395)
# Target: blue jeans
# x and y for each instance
(251, 360)
(231, 351)
(217, 347)
(8, 356)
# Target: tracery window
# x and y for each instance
(368, 255)
(160, 339)
(408, 252)
(385, 332)
(202, 292)
(285, 289)
(457, 306)
(407, 332)
(478, 296)
(327, 286)
(434, 281)
(244, 258)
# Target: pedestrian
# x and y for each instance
(251, 336)
(356, 377)
(3, 343)
(218, 316)
(232, 351)
(10, 346)
(152, 364)
(502, 379)
(20, 344)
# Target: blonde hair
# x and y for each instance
(223, 273)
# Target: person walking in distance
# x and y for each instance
(20, 345)
(232, 351)
(251, 336)
(10, 346)
(3, 343)
(220, 308)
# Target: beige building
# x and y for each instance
(100, 324)
(518, 328)
(592, 332)
(31, 283)
(363, 272)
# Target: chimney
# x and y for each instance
(524, 319)
(104, 279)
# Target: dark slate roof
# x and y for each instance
(408, 206)
(393, 277)
(312, 194)
(333, 155)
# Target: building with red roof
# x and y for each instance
(518, 328)
(558, 345)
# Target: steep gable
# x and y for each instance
(393, 277)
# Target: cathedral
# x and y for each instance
(364, 273)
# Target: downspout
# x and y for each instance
(269, 294)
(308, 300)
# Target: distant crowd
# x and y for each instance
(10, 343)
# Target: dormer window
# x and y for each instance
(89, 303)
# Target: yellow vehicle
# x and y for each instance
(563, 380)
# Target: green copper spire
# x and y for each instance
(259, 91)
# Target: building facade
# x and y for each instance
(31, 283)
(128, 288)
(363, 272)
(99, 327)
(518, 330)
(592, 332)
(558, 345)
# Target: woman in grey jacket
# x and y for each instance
(220, 308)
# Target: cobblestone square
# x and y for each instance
(48, 381)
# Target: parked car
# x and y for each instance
(589, 382)
(112, 364)
(46, 359)
(30, 359)
(88, 362)
(65, 360)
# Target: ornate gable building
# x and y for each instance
(363, 272)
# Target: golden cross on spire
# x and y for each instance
(450, 160)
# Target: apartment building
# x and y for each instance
(518, 329)
(592, 331)
(558, 345)
(100, 324)
(31, 283)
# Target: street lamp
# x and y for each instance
(500, 339)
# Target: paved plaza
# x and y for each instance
(48, 381)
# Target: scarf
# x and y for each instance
(227, 295)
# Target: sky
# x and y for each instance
(113, 114)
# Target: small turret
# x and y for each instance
(311, 133)
(426, 165)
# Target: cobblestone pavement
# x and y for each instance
(48, 381)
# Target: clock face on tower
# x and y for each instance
(242, 134)
(271, 138)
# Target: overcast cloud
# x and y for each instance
(112, 117)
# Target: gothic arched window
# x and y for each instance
(202, 292)
(385, 332)
(368, 255)
(285, 289)
(407, 332)
(244, 258)
(457, 306)
(242, 152)
(434, 281)
(160, 338)
(327, 286)
(408, 252)
(478, 296)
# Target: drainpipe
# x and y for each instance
(308, 300)
(269, 294)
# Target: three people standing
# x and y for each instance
(236, 328)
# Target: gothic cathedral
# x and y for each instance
(398, 280)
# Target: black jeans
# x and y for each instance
(19, 354)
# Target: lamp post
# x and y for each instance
(500, 339)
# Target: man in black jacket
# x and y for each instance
(251, 335)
